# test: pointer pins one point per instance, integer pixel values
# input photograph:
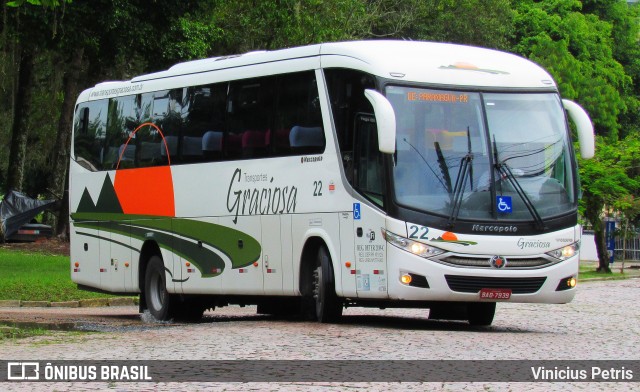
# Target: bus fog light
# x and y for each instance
(567, 283)
(405, 278)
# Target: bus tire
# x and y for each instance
(159, 302)
(328, 306)
(481, 313)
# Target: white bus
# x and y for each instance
(376, 174)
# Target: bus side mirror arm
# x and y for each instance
(385, 121)
(584, 126)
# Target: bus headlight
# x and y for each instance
(565, 252)
(417, 248)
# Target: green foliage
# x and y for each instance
(44, 3)
(485, 23)
(247, 25)
(610, 181)
(607, 175)
(577, 49)
(191, 39)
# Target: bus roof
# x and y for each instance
(443, 64)
(405, 61)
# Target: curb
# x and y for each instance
(83, 303)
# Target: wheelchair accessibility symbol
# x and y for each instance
(503, 203)
(356, 211)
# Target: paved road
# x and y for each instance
(602, 323)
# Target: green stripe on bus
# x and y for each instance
(241, 248)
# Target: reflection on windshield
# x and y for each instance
(444, 153)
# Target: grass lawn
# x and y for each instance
(589, 271)
(38, 277)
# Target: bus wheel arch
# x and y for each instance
(317, 282)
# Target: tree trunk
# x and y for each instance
(592, 213)
(60, 158)
(20, 128)
(601, 246)
(62, 228)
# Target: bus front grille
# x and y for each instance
(483, 262)
(473, 284)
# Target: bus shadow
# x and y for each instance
(368, 321)
(409, 323)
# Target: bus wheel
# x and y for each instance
(327, 304)
(481, 313)
(159, 301)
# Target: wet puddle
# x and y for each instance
(143, 322)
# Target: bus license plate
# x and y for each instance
(495, 294)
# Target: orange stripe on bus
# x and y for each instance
(146, 191)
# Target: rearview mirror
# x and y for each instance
(584, 127)
(385, 121)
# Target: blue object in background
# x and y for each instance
(610, 229)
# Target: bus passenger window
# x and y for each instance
(204, 114)
(249, 111)
(298, 128)
(90, 134)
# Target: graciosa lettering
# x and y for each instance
(259, 201)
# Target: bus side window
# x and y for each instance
(204, 124)
(368, 163)
(169, 107)
(249, 113)
(148, 140)
(89, 137)
(121, 123)
(298, 128)
(346, 92)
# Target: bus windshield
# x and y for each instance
(471, 155)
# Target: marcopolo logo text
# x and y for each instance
(494, 228)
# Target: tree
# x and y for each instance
(29, 33)
(576, 48)
(625, 33)
(486, 23)
(247, 25)
(611, 177)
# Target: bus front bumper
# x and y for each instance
(433, 281)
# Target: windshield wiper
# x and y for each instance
(444, 169)
(448, 184)
(505, 172)
(461, 181)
